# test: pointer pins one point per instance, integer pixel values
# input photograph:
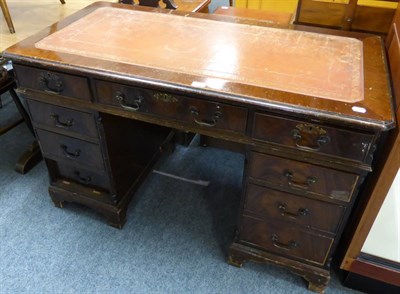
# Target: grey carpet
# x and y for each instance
(174, 241)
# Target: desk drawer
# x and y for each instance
(70, 149)
(87, 177)
(312, 137)
(302, 176)
(164, 105)
(272, 204)
(62, 118)
(53, 82)
(285, 240)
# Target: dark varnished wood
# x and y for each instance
(54, 82)
(55, 145)
(134, 107)
(317, 277)
(107, 181)
(284, 240)
(60, 119)
(273, 204)
(313, 137)
(303, 177)
(173, 107)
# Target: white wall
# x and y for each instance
(384, 238)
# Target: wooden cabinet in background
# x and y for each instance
(366, 16)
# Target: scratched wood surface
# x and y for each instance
(295, 61)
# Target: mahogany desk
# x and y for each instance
(107, 86)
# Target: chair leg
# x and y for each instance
(62, 1)
(7, 16)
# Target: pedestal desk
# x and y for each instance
(107, 87)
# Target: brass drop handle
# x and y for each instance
(321, 140)
(282, 207)
(83, 180)
(289, 246)
(133, 106)
(69, 154)
(58, 123)
(51, 82)
(205, 122)
(306, 185)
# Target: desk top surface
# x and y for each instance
(294, 61)
(326, 72)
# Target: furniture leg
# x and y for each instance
(7, 16)
(317, 283)
(32, 155)
(29, 158)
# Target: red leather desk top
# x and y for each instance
(301, 62)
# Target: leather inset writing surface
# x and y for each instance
(313, 64)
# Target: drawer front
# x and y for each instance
(70, 149)
(312, 137)
(193, 111)
(272, 204)
(62, 118)
(283, 239)
(53, 82)
(98, 182)
(82, 176)
(93, 184)
(302, 176)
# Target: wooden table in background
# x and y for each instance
(182, 5)
(280, 19)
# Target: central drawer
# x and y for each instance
(70, 149)
(285, 240)
(196, 112)
(302, 176)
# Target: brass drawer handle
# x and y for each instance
(83, 180)
(58, 123)
(290, 246)
(134, 105)
(282, 207)
(310, 180)
(68, 153)
(51, 82)
(310, 130)
(205, 122)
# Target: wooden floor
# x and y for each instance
(30, 16)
